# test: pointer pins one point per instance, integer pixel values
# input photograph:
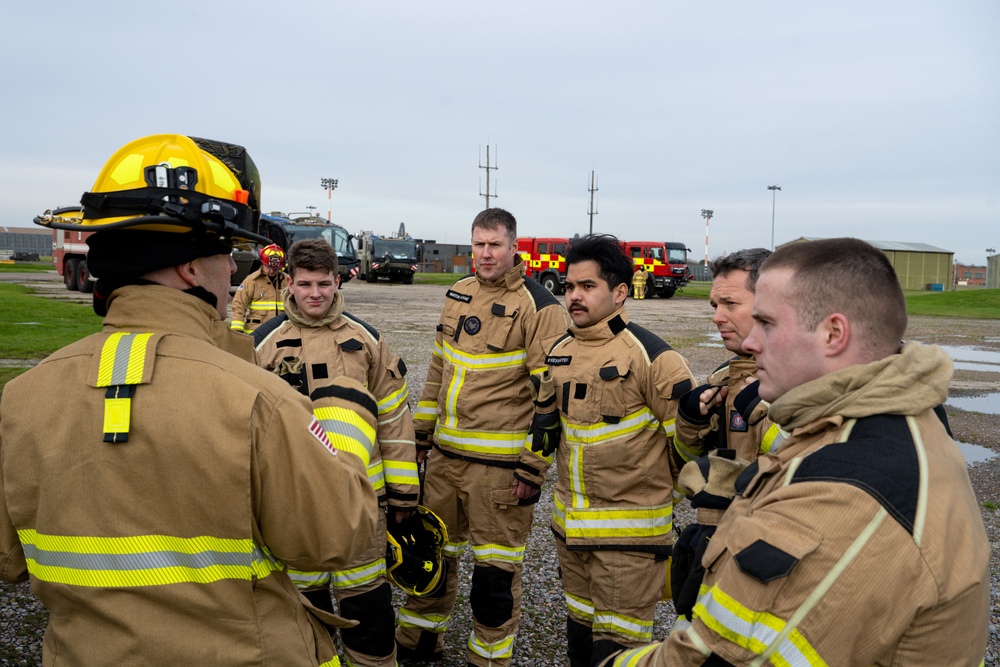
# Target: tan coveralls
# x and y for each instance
(477, 403)
(639, 279)
(257, 299)
(616, 386)
(342, 345)
(859, 543)
(155, 528)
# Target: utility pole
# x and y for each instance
(488, 168)
(593, 189)
(707, 214)
(330, 184)
(774, 193)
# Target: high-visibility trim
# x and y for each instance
(577, 486)
(527, 446)
(436, 623)
(920, 516)
(602, 432)
(357, 576)
(238, 325)
(626, 626)
(632, 658)
(123, 358)
(498, 650)
(451, 397)
(376, 475)
(306, 580)
(332, 662)
(580, 607)
(144, 560)
(267, 305)
(401, 472)
(686, 453)
(539, 370)
(426, 411)
(484, 362)
(393, 400)
(611, 522)
(772, 439)
(348, 431)
(559, 512)
(454, 549)
(488, 552)
(481, 442)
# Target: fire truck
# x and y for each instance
(392, 257)
(666, 261)
(69, 250)
(545, 260)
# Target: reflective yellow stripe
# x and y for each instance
(401, 472)
(581, 607)
(607, 522)
(497, 650)
(451, 398)
(426, 411)
(146, 560)
(332, 662)
(481, 442)
(436, 623)
(631, 658)
(357, 576)
(577, 487)
(376, 475)
(559, 512)
(602, 432)
(687, 453)
(454, 549)
(236, 324)
(754, 630)
(626, 626)
(306, 580)
(123, 359)
(393, 400)
(267, 305)
(772, 439)
(484, 362)
(487, 552)
(348, 431)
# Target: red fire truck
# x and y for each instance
(69, 251)
(666, 261)
(545, 260)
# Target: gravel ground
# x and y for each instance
(406, 315)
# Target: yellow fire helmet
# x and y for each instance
(173, 183)
(414, 554)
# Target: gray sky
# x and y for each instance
(879, 119)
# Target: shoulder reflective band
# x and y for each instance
(348, 431)
(144, 560)
(121, 368)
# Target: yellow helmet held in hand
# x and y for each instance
(415, 552)
(174, 183)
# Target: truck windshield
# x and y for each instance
(396, 249)
(335, 236)
(677, 256)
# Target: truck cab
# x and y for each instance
(666, 262)
(545, 260)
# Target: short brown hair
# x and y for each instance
(847, 276)
(748, 259)
(312, 255)
(492, 218)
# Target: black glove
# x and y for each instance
(545, 426)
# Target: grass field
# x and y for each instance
(25, 267)
(980, 304)
(32, 327)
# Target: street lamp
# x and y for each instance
(774, 193)
(989, 251)
(707, 214)
(330, 184)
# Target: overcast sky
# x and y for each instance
(878, 119)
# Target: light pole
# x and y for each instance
(774, 193)
(988, 252)
(330, 184)
(707, 214)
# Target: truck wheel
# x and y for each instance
(371, 277)
(667, 292)
(408, 279)
(551, 283)
(83, 278)
(69, 275)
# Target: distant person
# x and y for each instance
(616, 390)
(258, 298)
(639, 279)
(476, 411)
(313, 341)
(860, 541)
(151, 510)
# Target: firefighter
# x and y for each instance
(258, 298)
(860, 541)
(151, 512)
(313, 341)
(639, 279)
(616, 387)
(476, 411)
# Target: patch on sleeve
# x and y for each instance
(320, 434)
(765, 562)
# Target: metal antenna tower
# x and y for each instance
(593, 188)
(488, 168)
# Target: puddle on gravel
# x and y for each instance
(975, 453)
(973, 359)
(987, 404)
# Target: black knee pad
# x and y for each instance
(491, 598)
(376, 629)
(603, 648)
(579, 642)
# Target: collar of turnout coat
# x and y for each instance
(605, 330)
(298, 319)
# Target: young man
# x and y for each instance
(313, 341)
(476, 411)
(152, 514)
(616, 389)
(258, 298)
(860, 541)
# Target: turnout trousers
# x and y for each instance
(611, 597)
(477, 503)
